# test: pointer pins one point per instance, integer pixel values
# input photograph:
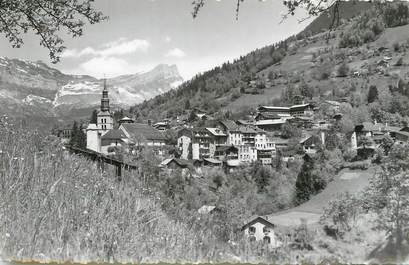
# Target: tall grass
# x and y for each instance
(60, 207)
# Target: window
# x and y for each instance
(267, 240)
(266, 229)
(252, 229)
(252, 238)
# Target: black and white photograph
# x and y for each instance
(204, 132)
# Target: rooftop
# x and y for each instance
(114, 135)
(137, 130)
(230, 125)
(216, 131)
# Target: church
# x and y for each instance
(105, 123)
(102, 137)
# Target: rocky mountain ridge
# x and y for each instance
(36, 89)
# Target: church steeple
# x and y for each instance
(105, 98)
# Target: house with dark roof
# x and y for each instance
(176, 163)
(401, 136)
(261, 229)
(138, 135)
(373, 131)
(113, 138)
(295, 110)
(228, 125)
(226, 152)
(274, 229)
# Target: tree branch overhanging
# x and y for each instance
(46, 18)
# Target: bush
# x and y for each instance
(343, 70)
(341, 215)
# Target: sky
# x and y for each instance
(141, 34)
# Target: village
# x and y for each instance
(229, 143)
(275, 134)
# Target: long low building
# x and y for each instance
(295, 110)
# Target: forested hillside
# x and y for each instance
(218, 88)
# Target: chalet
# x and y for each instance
(280, 143)
(200, 114)
(401, 136)
(225, 153)
(64, 133)
(228, 125)
(184, 145)
(176, 163)
(247, 153)
(113, 138)
(267, 116)
(219, 137)
(274, 230)
(249, 134)
(260, 229)
(162, 125)
(126, 120)
(301, 122)
(171, 164)
(271, 125)
(265, 156)
(138, 135)
(295, 110)
(321, 125)
(310, 143)
(374, 131)
(245, 122)
(212, 162)
(199, 143)
(206, 209)
(333, 106)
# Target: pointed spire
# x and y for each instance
(105, 84)
(105, 98)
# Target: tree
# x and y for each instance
(313, 8)
(306, 90)
(341, 214)
(386, 143)
(387, 196)
(78, 137)
(372, 94)
(307, 183)
(343, 70)
(289, 131)
(94, 117)
(187, 105)
(46, 18)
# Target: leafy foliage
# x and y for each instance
(341, 214)
(78, 137)
(387, 194)
(308, 183)
(46, 18)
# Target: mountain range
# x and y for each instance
(34, 89)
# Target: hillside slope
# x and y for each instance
(242, 83)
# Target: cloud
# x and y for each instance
(116, 48)
(100, 66)
(109, 67)
(168, 39)
(175, 52)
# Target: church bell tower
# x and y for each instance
(105, 98)
(105, 121)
